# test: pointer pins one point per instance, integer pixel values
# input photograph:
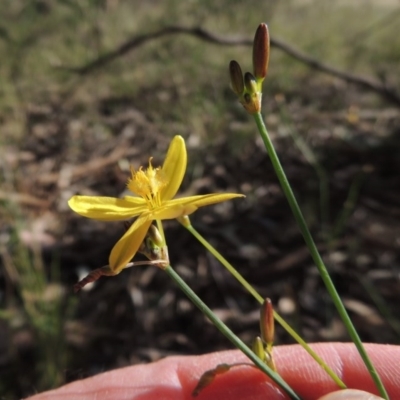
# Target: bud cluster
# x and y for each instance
(263, 346)
(248, 87)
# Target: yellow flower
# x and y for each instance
(154, 189)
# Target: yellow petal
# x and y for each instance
(129, 244)
(188, 205)
(174, 167)
(107, 208)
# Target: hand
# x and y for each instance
(175, 377)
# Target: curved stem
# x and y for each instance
(229, 334)
(315, 254)
(259, 298)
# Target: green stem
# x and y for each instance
(259, 298)
(315, 254)
(229, 334)
(225, 263)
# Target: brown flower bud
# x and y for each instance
(236, 75)
(261, 52)
(267, 323)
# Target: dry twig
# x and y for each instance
(388, 92)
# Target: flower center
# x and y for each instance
(148, 184)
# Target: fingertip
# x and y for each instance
(350, 394)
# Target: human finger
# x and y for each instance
(176, 377)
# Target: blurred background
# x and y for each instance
(88, 87)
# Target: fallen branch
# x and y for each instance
(89, 167)
(370, 83)
(23, 199)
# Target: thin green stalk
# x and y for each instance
(259, 298)
(225, 263)
(315, 254)
(229, 334)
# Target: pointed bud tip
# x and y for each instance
(258, 348)
(236, 75)
(250, 83)
(261, 46)
(267, 323)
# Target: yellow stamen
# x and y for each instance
(148, 184)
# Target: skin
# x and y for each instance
(174, 378)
